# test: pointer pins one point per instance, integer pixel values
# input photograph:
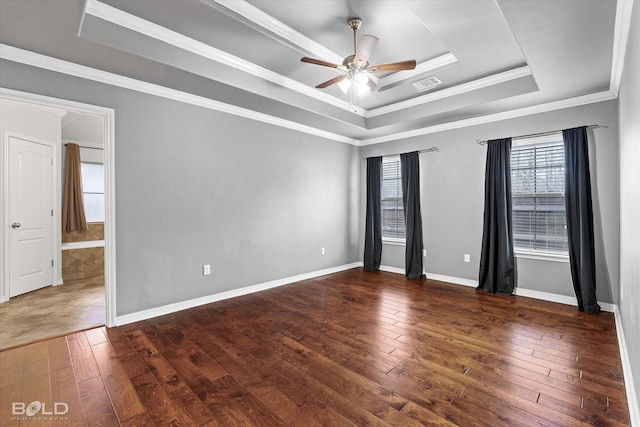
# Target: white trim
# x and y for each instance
(484, 82)
(11, 53)
(421, 68)
(621, 29)
(495, 117)
(390, 269)
(542, 256)
(529, 293)
(110, 196)
(629, 380)
(280, 29)
(451, 279)
(183, 305)
(86, 244)
(284, 34)
(14, 54)
(149, 29)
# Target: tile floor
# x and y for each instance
(52, 311)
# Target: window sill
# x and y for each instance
(542, 256)
(391, 241)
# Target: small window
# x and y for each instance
(393, 225)
(537, 188)
(93, 191)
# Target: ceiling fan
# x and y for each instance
(356, 67)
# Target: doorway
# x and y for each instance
(76, 110)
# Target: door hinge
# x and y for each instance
(51, 162)
(51, 263)
(51, 212)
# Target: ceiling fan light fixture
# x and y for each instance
(360, 77)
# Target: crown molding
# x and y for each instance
(624, 8)
(25, 57)
(21, 56)
(149, 29)
(423, 67)
(270, 25)
(495, 117)
(494, 79)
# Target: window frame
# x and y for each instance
(92, 192)
(400, 241)
(530, 253)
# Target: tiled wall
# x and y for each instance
(95, 232)
(83, 263)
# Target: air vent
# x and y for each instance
(426, 84)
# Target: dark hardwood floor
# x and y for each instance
(351, 348)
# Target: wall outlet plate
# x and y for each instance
(467, 258)
(206, 270)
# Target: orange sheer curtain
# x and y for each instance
(73, 218)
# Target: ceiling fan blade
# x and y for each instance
(319, 62)
(393, 66)
(364, 51)
(332, 81)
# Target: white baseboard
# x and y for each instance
(389, 269)
(629, 383)
(183, 305)
(451, 279)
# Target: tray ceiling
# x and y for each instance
(491, 56)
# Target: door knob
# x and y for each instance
(15, 225)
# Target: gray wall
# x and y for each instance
(453, 189)
(196, 186)
(629, 107)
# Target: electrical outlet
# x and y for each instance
(206, 270)
(467, 258)
(424, 252)
(322, 251)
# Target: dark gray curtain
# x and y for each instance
(580, 218)
(497, 272)
(373, 231)
(410, 171)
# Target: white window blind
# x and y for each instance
(393, 225)
(537, 187)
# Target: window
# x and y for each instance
(93, 191)
(393, 225)
(537, 188)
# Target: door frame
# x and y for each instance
(55, 231)
(108, 115)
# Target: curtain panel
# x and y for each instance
(373, 222)
(580, 218)
(73, 217)
(410, 172)
(497, 273)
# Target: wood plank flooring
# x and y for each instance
(347, 349)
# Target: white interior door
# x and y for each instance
(31, 184)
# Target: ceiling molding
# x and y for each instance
(424, 67)
(149, 29)
(271, 26)
(496, 117)
(25, 57)
(621, 30)
(33, 59)
(287, 35)
(494, 79)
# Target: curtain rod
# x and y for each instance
(426, 150)
(90, 148)
(551, 132)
